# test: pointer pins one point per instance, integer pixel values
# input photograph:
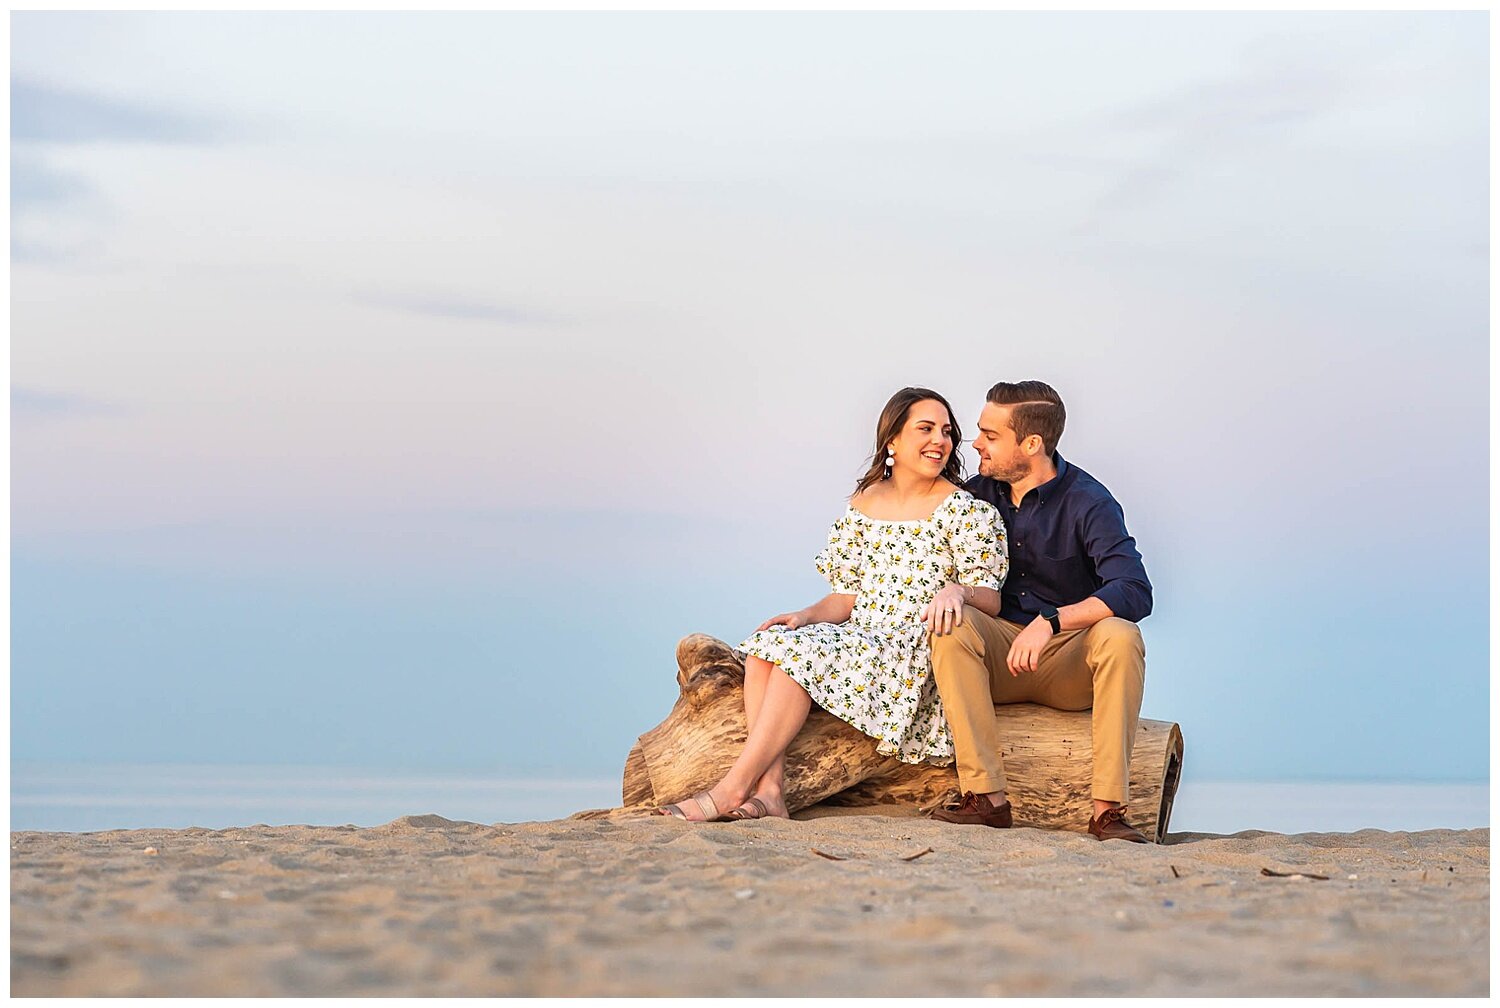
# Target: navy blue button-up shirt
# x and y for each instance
(1067, 542)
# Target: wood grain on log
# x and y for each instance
(1048, 759)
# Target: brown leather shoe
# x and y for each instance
(974, 810)
(1111, 825)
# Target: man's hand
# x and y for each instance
(790, 620)
(1026, 649)
(945, 612)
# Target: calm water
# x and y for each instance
(99, 797)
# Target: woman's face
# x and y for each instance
(925, 441)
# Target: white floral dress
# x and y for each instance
(875, 670)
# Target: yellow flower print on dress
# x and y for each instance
(874, 670)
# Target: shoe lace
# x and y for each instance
(969, 802)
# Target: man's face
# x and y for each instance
(1000, 455)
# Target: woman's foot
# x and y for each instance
(765, 805)
(706, 806)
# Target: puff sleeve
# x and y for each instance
(840, 561)
(976, 536)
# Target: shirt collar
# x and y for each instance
(1054, 484)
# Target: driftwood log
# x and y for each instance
(1048, 759)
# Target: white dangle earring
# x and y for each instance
(890, 460)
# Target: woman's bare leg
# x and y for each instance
(769, 788)
(783, 708)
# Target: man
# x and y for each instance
(1066, 636)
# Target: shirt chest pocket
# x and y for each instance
(1065, 575)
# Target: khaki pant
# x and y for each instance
(1103, 667)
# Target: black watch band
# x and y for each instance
(1049, 613)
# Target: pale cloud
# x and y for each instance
(44, 114)
(464, 309)
(32, 404)
(57, 213)
(35, 183)
(1190, 128)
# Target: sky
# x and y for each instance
(394, 391)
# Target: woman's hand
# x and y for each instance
(945, 612)
(790, 620)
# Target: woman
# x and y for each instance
(910, 552)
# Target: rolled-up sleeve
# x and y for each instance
(1117, 562)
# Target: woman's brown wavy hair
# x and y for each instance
(892, 419)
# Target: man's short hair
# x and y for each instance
(1036, 409)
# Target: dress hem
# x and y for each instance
(883, 745)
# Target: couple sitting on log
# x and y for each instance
(1019, 585)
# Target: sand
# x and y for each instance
(427, 906)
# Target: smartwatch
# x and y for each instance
(1049, 613)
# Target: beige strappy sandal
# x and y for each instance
(753, 808)
(706, 805)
